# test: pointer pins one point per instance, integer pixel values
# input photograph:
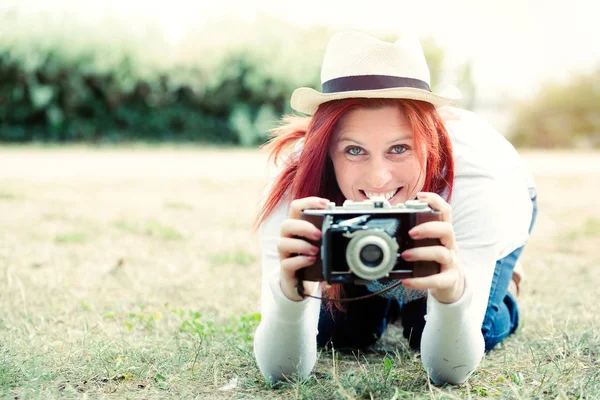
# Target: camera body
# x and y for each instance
(362, 241)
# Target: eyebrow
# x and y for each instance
(347, 139)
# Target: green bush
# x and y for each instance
(226, 83)
(561, 115)
(72, 83)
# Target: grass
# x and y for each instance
(8, 196)
(179, 206)
(110, 288)
(74, 237)
(150, 227)
(238, 257)
(589, 229)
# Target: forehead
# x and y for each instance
(371, 123)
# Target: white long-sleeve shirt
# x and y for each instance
(491, 214)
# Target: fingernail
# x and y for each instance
(406, 254)
(314, 250)
(421, 194)
(317, 235)
(324, 202)
(406, 283)
(414, 233)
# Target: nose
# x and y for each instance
(380, 173)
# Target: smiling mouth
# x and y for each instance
(388, 195)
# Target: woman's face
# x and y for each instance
(373, 155)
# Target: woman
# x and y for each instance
(375, 130)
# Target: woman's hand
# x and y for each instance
(294, 251)
(449, 285)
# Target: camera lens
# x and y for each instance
(371, 255)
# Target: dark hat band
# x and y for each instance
(372, 82)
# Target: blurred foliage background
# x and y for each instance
(227, 83)
(561, 115)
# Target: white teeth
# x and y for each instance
(387, 195)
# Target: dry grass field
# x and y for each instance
(134, 273)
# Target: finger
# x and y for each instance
(299, 205)
(437, 203)
(292, 264)
(440, 254)
(434, 230)
(300, 228)
(292, 246)
(444, 280)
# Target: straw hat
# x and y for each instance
(359, 65)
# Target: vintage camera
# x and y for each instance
(362, 241)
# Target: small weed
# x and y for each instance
(243, 327)
(590, 228)
(178, 206)
(147, 320)
(517, 378)
(71, 238)
(193, 322)
(161, 381)
(151, 228)
(239, 257)
(8, 196)
(481, 391)
(387, 367)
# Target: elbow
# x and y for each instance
(457, 375)
(454, 367)
(280, 376)
(281, 364)
(274, 371)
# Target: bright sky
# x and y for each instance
(513, 44)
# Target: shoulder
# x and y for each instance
(462, 123)
(477, 144)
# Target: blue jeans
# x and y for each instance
(364, 321)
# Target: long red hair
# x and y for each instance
(311, 172)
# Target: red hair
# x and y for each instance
(311, 172)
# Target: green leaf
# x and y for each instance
(41, 95)
(387, 363)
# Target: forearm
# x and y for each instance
(452, 343)
(285, 343)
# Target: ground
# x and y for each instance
(134, 273)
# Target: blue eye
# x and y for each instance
(354, 151)
(399, 149)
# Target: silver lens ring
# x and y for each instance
(377, 237)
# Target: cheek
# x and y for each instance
(344, 174)
(414, 177)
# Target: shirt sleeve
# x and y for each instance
(452, 345)
(285, 342)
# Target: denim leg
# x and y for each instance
(502, 314)
(359, 326)
(501, 317)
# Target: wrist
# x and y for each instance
(452, 294)
(290, 290)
